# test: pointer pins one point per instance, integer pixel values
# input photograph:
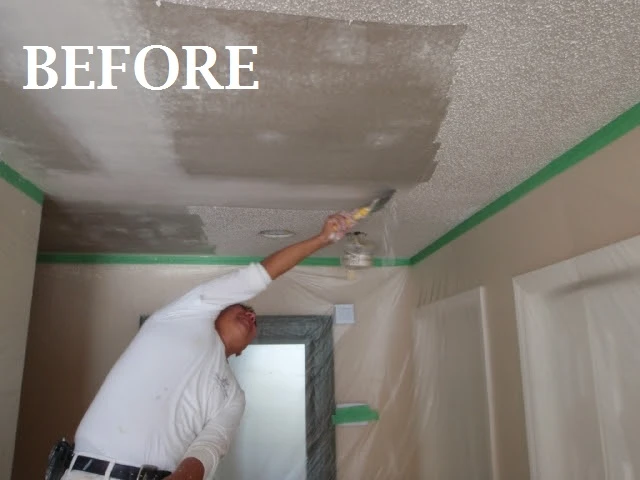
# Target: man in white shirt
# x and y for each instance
(171, 400)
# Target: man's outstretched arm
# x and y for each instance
(284, 260)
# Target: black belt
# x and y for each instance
(120, 472)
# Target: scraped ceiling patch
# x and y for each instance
(338, 102)
(28, 128)
(95, 228)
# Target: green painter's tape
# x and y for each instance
(147, 259)
(21, 183)
(603, 137)
(354, 414)
(391, 262)
(142, 259)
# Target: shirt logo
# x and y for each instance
(224, 384)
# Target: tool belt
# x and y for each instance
(62, 454)
(59, 460)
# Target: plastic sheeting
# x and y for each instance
(372, 362)
(579, 327)
(453, 425)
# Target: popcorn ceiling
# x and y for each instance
(532, 80)
(239, 234)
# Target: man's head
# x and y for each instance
(236, 326)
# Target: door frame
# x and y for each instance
(316, 333)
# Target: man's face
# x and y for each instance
(237, 327)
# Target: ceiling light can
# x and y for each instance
(276, 233)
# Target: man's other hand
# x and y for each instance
(189, 469)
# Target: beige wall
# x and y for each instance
(84, 316)
(19, 228)
(593, 204)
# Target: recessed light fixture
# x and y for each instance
(277, 233)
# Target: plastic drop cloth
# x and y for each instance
(452, 417)
(372, 361)
(579, 329)
(423, 369)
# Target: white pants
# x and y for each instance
(77, 475)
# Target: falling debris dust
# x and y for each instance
(390, 222)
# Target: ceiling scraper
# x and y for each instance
(375, 205)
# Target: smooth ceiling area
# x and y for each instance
(451, 103)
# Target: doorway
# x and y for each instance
(287, 375)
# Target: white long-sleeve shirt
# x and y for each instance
(172, 395)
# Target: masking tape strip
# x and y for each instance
(354, 414)
(607, 134)
(148, 259)
(21, 183)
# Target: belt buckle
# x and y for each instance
(146, 471)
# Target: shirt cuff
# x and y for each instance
(208, 459)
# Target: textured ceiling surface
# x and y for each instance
(452, 102)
